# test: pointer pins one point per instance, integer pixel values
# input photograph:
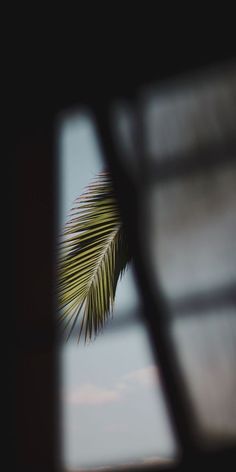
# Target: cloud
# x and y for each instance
(88, 394)
(147, 376)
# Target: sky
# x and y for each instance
(112, 404)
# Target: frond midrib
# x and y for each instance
(103, 254)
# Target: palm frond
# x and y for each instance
(93, 255)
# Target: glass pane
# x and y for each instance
(113, 408)
(206, 348)
(192, 234)
(188, 115)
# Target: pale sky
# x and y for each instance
(113, 411)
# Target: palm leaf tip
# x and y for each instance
(93, 254)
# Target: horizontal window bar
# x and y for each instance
(165, 168)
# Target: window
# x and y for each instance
(180, 302)
(174, 146)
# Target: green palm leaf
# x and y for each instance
(93, 255)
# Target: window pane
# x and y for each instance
(113, 408)
(206, 347)
(192, 234)
(189, 115)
